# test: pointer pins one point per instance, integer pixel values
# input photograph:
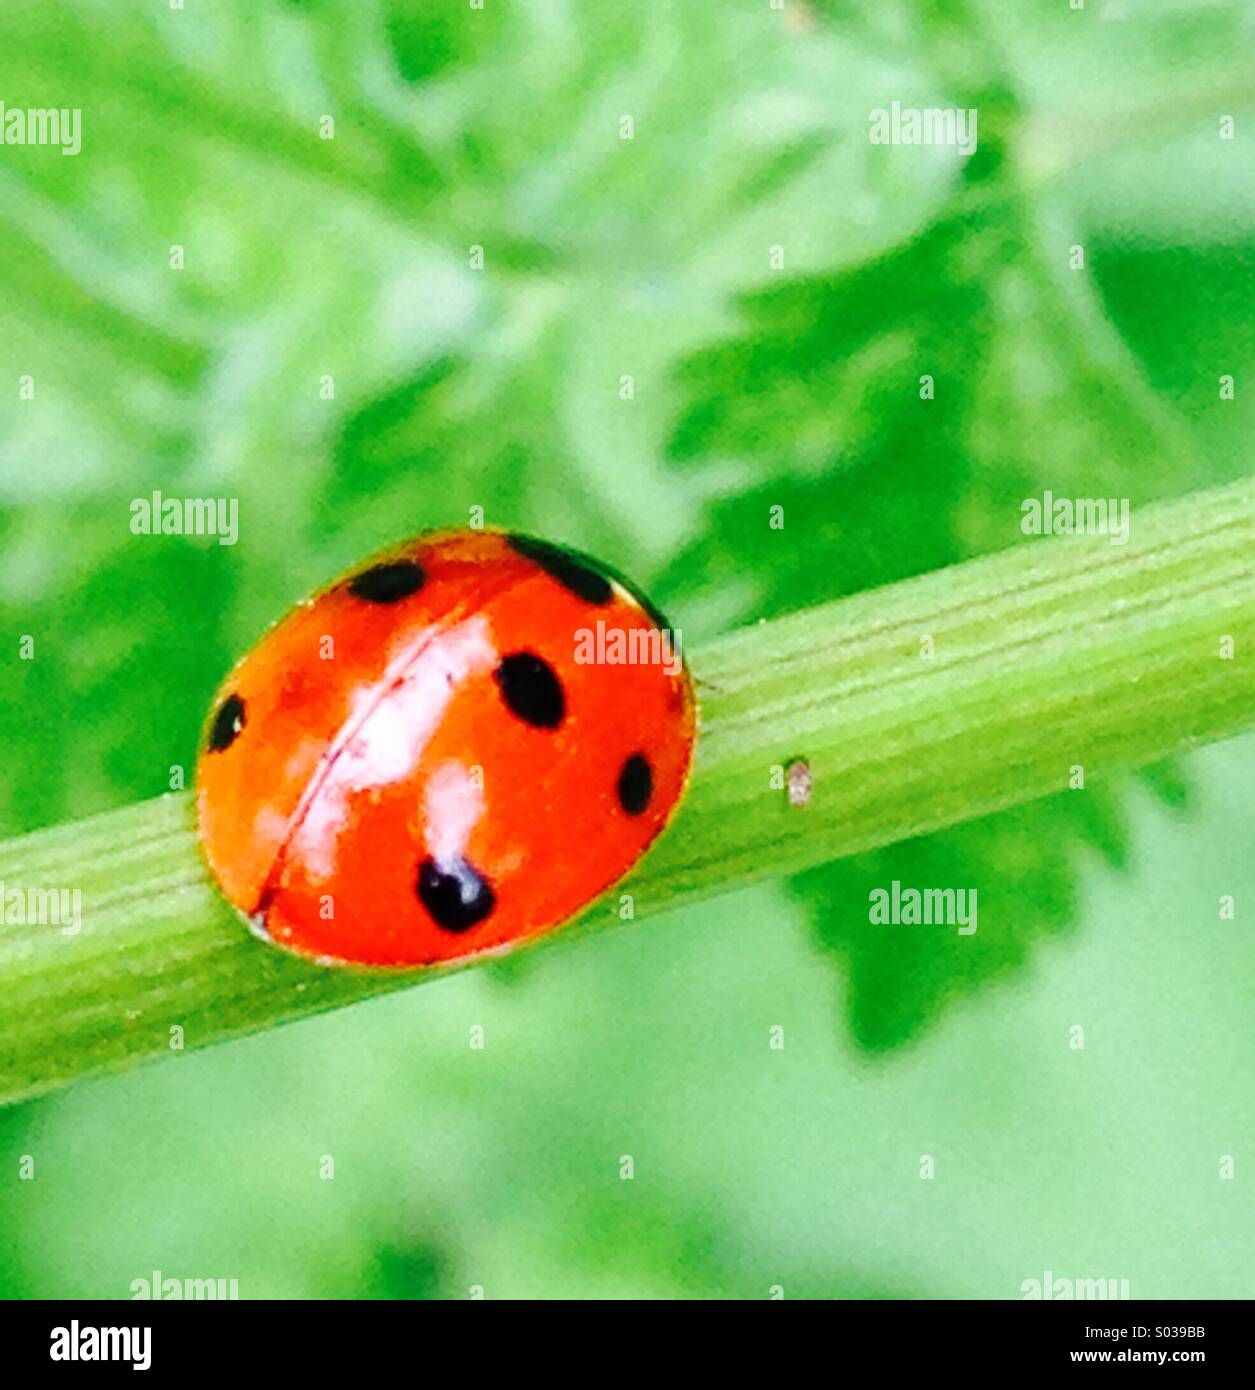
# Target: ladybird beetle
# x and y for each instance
(451, 750)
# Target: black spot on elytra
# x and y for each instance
(227, 724)
(456, 895)
(531, 688)
(389, 582)
(572, 570)
(636, 784)
(583, 575)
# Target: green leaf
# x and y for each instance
(813, 407)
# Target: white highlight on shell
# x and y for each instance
(452, 804)
(391, 722)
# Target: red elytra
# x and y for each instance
(451, 750)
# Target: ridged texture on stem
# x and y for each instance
(1056, 654)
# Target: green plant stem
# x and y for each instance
(1055, 655)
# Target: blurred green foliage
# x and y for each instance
(753, 387)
